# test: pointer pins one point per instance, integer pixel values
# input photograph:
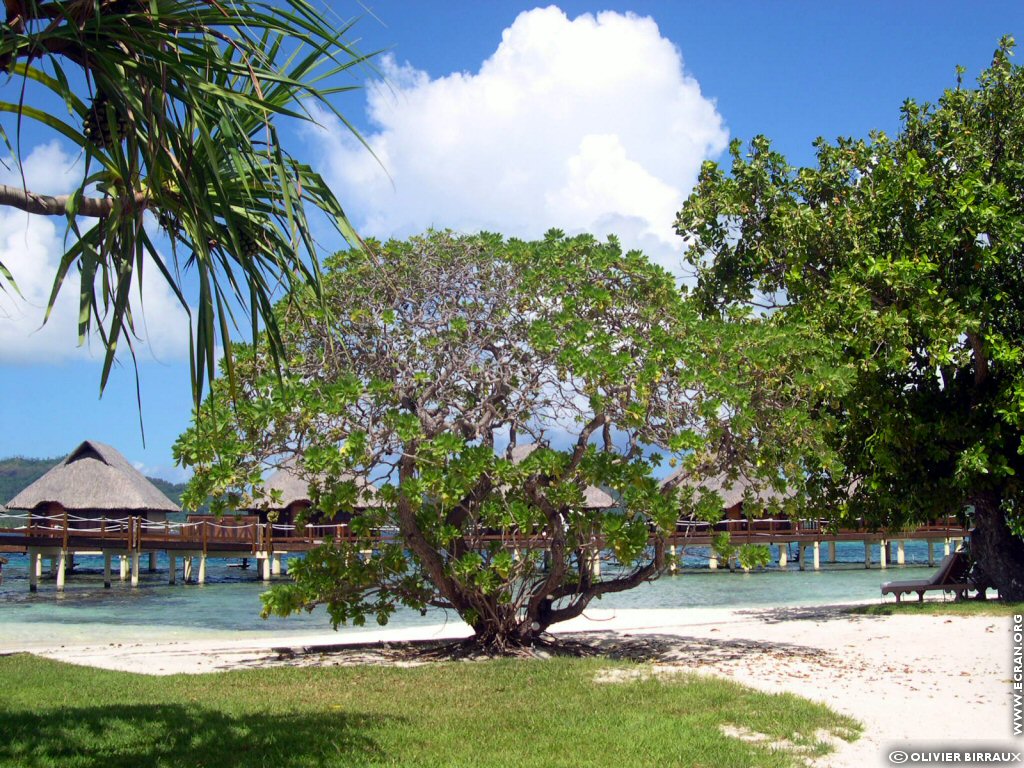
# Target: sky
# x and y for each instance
(509, 117)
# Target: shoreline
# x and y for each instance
(924, 680)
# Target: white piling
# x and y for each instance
(62, 562)
(783, 555)
(135, 568)
(34, 566)
(883, 551)
(817, 555)
(901, 553)
(832, 552)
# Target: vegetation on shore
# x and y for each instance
(444, 714)
(942, 608)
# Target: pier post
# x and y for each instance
(595, 564)
(673, 563)
(817, 555)
(883, 551)
(831, 552)
(62, 563)
(202, 568)
(802, 558)
(172, 572)
(135, 567)
(901, 553)
(713, 562)
(124, 567)
(867, 554)
(39, 565)
(152, 562)
(275, 564)
(783, 554)
(931, 552)
(106, 569)
(34, 565)
(186, 569)
(945, 547)
(266, 568)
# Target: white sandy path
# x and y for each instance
(924, 681)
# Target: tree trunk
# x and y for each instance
(998, 554)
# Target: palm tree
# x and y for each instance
(173, 105)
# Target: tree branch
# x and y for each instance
(57, 205)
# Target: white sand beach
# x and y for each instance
(911, 680)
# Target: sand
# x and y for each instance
(913, 681)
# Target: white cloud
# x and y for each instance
(583, 124)
(31, 248)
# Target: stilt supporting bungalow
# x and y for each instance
(816, 548)
(783, 554)
(901, 553)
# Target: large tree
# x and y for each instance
(175, 106)
(907, 254)
(485, 386)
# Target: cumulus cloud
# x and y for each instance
(589, 124)
(31, 248)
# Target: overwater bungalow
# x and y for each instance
(94, 481)
(593, 497)
(741, 500)
(296, 500)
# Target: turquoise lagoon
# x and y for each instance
(228, 605)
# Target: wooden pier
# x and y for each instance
(61, 538)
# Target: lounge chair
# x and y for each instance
(950, 577)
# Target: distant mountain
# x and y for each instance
(17, 473)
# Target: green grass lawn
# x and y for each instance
(496, 713)
(943, 608)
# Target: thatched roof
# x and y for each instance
(94, 476)
(731, 491)
(593, 497)
(294, 487)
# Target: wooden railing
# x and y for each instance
(247, 534)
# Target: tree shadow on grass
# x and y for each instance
(172, 736)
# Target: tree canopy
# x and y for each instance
(905, 254)
(175, 106)
(491, 389)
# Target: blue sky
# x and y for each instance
(515, 117)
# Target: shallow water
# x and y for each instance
(228, 605)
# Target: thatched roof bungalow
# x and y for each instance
(94, 481)
(733, 491)
(296, 497)
(593, 497)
